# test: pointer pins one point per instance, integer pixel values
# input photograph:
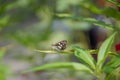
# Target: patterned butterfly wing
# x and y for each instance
(60, 45)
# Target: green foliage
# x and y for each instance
(112, 67)
(103, 51)
(85, 56)
(18, 12)
(113, 13)
(114, 2)
(89, 20)
(87, 62)
(114, 62)
(68, 65)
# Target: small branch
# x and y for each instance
(54, 52)
(69, 52)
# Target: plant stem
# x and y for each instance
(69, 52)
(99, 74)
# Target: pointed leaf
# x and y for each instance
(116, 2)
(114, 62)
(104, 49)
(68, 65)
(85, 56)
(89, 20)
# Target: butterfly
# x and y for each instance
(59, 46)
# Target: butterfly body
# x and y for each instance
(60, 45)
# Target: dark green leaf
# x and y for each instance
(114, 62)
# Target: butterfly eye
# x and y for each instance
(60, 45)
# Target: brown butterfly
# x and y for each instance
(59, 45)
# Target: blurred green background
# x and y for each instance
(26, 25)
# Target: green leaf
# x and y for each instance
(68, 65)
(104, 49)
(112, 65)
(114, 74)
(89, 20)
(85, 56)
(114, 62)
(114, 13)
(115, 2)
(90, 6)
